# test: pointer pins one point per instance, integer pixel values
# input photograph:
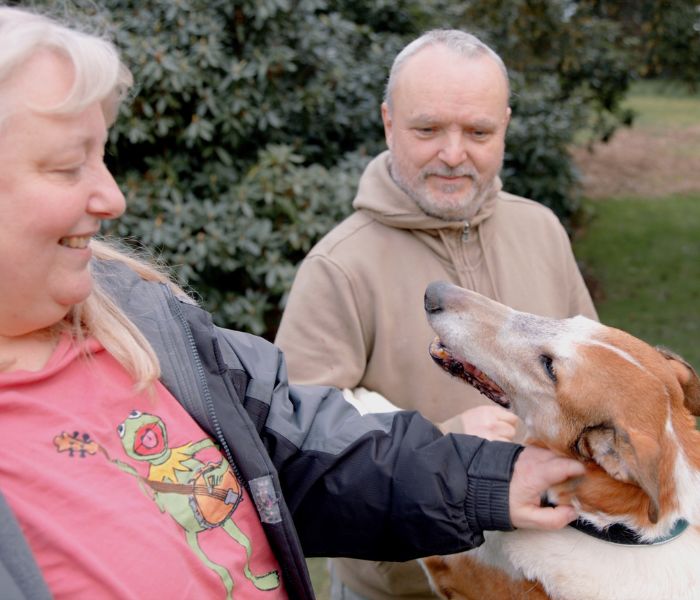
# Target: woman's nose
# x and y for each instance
(106, 199)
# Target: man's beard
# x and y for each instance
(461, 208)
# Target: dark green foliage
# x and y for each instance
(663, 35)
(252, 120)
(249, 126)
(569, 72)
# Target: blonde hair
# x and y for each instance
(100, 76)
(100, 317)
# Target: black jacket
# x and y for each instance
(325, 480)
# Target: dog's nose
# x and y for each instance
(434, 293)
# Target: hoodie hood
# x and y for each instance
(380, 196)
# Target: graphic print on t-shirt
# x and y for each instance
(198, 495)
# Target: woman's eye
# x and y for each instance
(548, 365)
(68, 171)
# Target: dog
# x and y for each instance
(601, 396)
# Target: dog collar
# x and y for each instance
(621, 534)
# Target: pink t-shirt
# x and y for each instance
(121, 494)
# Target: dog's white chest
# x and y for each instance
(574, 566)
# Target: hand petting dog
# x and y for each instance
(536, 470)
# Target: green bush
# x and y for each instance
(252, 120)
(663, 36)
(569, 72)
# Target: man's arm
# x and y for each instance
(580, 301)
(322, 333)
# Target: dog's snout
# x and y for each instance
(433, 299)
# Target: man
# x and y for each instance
(430, 208)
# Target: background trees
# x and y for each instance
(251, 120)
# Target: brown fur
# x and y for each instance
(612, 416)
(459, 577)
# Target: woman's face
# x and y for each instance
(54, 191)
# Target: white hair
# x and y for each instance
(99, 74)
(463, 43)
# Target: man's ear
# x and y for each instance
(388, 124)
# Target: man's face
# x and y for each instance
(446, 130)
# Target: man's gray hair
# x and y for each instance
(463, 43)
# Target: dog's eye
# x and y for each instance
(548, 367)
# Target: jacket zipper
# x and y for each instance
(466, 231)
(218, 433)
(203, 387)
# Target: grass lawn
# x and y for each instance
(659, 104)
(319, 577)
(645, 251)
(645, 254)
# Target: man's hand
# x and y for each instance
(536, 470)
(489, 421)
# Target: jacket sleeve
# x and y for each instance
(397, 493)
(383, 486)
(324, 346)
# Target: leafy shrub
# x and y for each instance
(663, 37)
(252, 120)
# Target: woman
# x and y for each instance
(151, 454)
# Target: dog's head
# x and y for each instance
(582, 389)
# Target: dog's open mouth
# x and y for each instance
(468, 372)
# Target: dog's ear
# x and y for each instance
(627, 455)
(688, 379)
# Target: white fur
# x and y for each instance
(366, 401)
(687, 481)
(571, 565)
(621, 353)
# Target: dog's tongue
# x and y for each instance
(463, 369)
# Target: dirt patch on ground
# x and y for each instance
(643, 163)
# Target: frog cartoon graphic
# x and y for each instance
(199, 496)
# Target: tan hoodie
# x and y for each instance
(355, 315)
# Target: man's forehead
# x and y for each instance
(440, 72)
(428, 59)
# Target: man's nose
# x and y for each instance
(454, 149)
